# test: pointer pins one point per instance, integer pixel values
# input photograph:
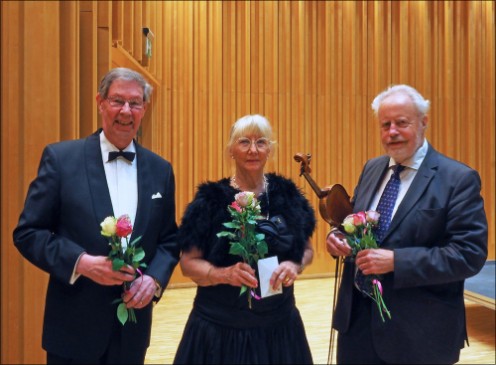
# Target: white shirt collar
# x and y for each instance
(417, 158)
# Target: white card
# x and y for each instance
(265, 269)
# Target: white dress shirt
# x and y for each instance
(122, 181)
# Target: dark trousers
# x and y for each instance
(356, 345)
(113, 354)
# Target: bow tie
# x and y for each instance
(127, 155)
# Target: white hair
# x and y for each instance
(418, 100)
(250, 124)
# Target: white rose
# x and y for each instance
(108, 226)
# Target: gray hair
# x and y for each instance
(418, 100)
(250, 124)
(126, 74)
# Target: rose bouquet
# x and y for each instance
(244, 240)
(359, 228)
(129, 254)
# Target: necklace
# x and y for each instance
(235, 185)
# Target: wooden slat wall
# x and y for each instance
(312, 67)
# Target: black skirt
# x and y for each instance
(222, 329)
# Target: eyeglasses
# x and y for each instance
(400, 124)
(245, 143)
(118, 102)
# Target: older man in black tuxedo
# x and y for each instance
(79, 184)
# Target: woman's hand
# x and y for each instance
(204, 273)
(285, 274)
(238, 274)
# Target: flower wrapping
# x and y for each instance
(116, 230)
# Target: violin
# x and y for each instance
(334, 207)
(334, 201)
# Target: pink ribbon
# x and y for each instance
(141, 282)
(254, 295)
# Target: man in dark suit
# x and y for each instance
(77, 187)
(436, 239)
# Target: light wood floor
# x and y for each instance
(314, 300)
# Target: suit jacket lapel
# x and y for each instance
(424, 175)
(97, 180)
(372, 178)
(144, 193)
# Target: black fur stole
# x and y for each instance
(204, 216)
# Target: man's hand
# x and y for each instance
(375, 261)
(336, 244)
(141, 293)
(99, 269)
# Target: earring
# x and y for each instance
(232, 156)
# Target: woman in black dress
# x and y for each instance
(222, 328)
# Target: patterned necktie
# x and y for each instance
(387, 201)
(127, 155)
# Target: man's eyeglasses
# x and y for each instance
(261, 144)
(400, 124)
(118, 102)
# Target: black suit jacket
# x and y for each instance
(64, 207)
(439, 238)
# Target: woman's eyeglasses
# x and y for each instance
(261, 144)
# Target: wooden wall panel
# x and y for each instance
(38, 120)
(243, 52)
(12, 188)
(137, 30)
(200, 75)
(282, 153)
(217, 127)
(88, 68)
(128, 26)
(30, 121)
(69, 69)
(312, 67)
(118, 21)
(104, 43)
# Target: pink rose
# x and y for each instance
(244, 199)
(123, 227)
(372, 216)
(359, 219)
(236, 206)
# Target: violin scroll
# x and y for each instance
(305, 171)
(304, 160)
(334, 204)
